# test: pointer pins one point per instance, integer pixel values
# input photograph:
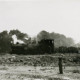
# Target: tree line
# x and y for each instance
(61, 42)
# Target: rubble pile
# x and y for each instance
(27, 60)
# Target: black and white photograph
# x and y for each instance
(39, 39)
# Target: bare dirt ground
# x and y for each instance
(11, 72)
(19, 67)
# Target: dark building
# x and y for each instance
(44, 46)
(47, 45)
(17, 49)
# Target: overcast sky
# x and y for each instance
(32, 16)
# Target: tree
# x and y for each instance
(5, 42)
(20, 36)
(43, 35)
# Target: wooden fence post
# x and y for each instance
(60, 65)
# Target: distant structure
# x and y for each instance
(47, 45)
(17, 48)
